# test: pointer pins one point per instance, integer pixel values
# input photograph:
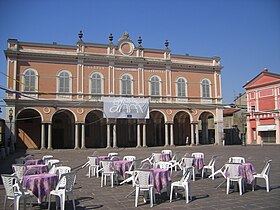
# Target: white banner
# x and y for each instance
(121, 107)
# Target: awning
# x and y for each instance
(266, 127)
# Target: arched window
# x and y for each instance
(155, 86)
(96, 83)
(205, 88)
(64, 82)
(181, 87)
(29, 81)
(126, 85)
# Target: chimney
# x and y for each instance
(265, 70)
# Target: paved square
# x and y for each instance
(89, 194)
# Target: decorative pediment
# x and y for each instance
(125, 44)
(264, 78)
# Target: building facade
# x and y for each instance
(57, 95)
(263, 102)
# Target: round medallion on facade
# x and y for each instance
(46, 110)
(80, 110)
(126, 48)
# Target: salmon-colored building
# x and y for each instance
(57, 95)
(263, 102)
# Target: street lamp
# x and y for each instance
(10, 118)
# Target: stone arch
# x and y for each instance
(95, 129)
(206, 127)
(63, 129)
(182, 128)
(155, 129)
(28, 128)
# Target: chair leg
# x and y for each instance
(136, 196)
(102, 177)
(240, 182)
(193, 173)
(267, 183)
(16, 202)
(112, 180)
(228, 185)
(5, 201)
(74, 206)
(151, 197)
(171, 193)
(213, 171)
(187, 193)
(49, 202)
(202, 173)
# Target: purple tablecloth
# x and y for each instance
(161, 178)
(121, 166)
(40, 168)
(198, 162)
(165, 157)
(246, 171)
(40, 184)
(34, 162)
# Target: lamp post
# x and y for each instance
(244, 128)
(10, 143)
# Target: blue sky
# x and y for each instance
(244, 33)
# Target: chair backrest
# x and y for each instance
(186, 176)
(8, 182)
(115, 158)
(146, 165)
(29, 157)
(156, 157)
(93, 160)
(212, 161)
(19, 170)
(176, 157)
(107, 165)
(20, 160)
(142, 178)
(111, 154)
(163, 165)
(51, 162)
(167, 151)
(66, 181)
(187, 162)
(31, 171)
(62, 170)
(129, 157)
(137, 163)
(266, 168)
(54, 165)
(236, 160)
(232, 170)
(198, 155)
(46, 157)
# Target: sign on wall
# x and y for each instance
(121, 107)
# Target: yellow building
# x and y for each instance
(58, 93)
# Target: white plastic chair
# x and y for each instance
(50, 162)
(142, 183)
(156, 157)
(264, 175)
(20, 160)
(167, 151)
(176, 161)
(198, 155)
(210, 166)
(46, 157)
(93, 166)
(53, 167)
(108, 170)
(64, 189)
(129, 157)
(232, 171)
(112, 154)
(164, 165)
(236, 160)
(62, 170)
(183, 183)
(222, 171)
(14, 191)
(136, 164)
(19, 170)
(187, 164)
